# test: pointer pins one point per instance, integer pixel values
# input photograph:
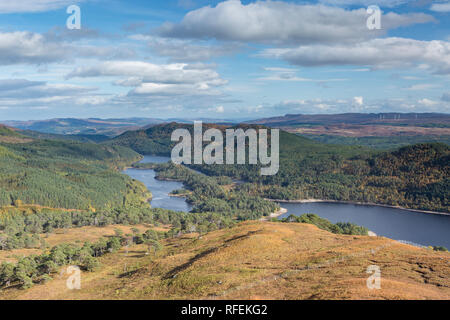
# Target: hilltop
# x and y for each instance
(11, 135)
(61, 174)
(375, 130)
(414, 119)
(155, 140)
(259, 260)
(414, 177)
(91, 126)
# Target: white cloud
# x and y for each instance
(149, 72)
(129, 82)
(34, 5)
(25, 89)
(219, 109)
(281, 22)
(312, 106)
(17, 84)
(411, 78)
(185, 50)
(427, 102)
(378, 53)
(172, 89)
(440, 7)
(287, 74)
(155, 79)
(358, 101)
(27, 47)
(23, 47)
(40, 95)
(330, 106)
(366, 3)
(91, 100)
(421, 86)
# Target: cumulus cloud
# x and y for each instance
(17, 84)
(311, 106)
(421, 86)
(24, 89)
(377, 53)
(218, 109)
(41, 95)
(34, 5)
(185, 50)
(357, 104)
(152, 79)
(27, 47)
(172, 89)
(287, 74)
(63, 34)
(281, 22)
(358, 101)
(366, 3)
(149, 72)
(427, 102)
(23, 47)
(440, 7)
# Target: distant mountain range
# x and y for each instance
(96, 126)
(349, 124)
(417, 119)
(92, 126)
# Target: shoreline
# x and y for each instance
(283, 210)
(275, 214)
(358, 203)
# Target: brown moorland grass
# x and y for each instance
(260, 260)
(78, 235)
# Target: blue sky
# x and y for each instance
(222, 59)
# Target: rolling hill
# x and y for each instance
(92, 126)
(313, 170)
(413, 119)
(380, 131)
(154, 140)
(61, 174)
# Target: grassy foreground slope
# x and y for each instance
(260, 260)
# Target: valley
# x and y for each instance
(163, 251)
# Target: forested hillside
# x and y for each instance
(53, 186)
(154, 140)
(381, 143)
(62, 174)
(415, 177)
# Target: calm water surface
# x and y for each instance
(397, 224)
(420, 228)
(160, 189)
